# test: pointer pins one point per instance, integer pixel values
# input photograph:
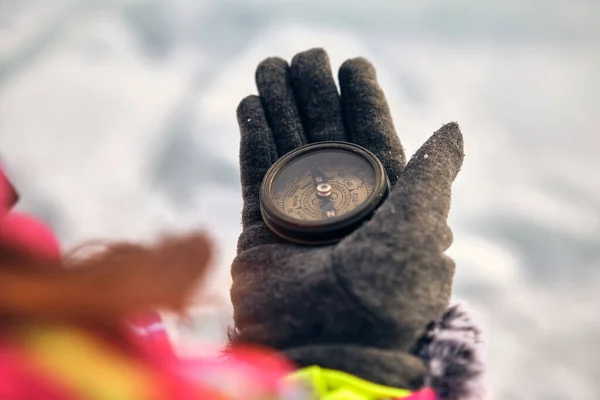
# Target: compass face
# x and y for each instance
(322, 191)
(323, 185)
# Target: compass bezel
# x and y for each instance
(320, 232)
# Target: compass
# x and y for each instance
(318, 193)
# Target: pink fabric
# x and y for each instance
(25, 233)
(19, 381)
(248, 373)
(20, 231)
(424, 394)
(150, 333)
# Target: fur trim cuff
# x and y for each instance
(454, 353)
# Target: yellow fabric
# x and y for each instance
(85, 365)
(336, 385)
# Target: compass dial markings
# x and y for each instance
(299, 198)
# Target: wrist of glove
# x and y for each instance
(360, 305)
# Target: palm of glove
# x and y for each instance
(359, 305)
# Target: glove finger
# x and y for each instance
(421, 198)
(275, 89)
(368, 117)
(257, 154)
(317, 96)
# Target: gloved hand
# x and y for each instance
(360, 305)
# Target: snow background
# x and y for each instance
(117, 120)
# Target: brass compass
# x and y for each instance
(320, 192)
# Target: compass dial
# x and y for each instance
(322, 191)
(323, 185)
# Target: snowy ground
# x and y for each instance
(117, 119)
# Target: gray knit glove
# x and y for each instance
(360, 305)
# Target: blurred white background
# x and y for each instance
(117, 120)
